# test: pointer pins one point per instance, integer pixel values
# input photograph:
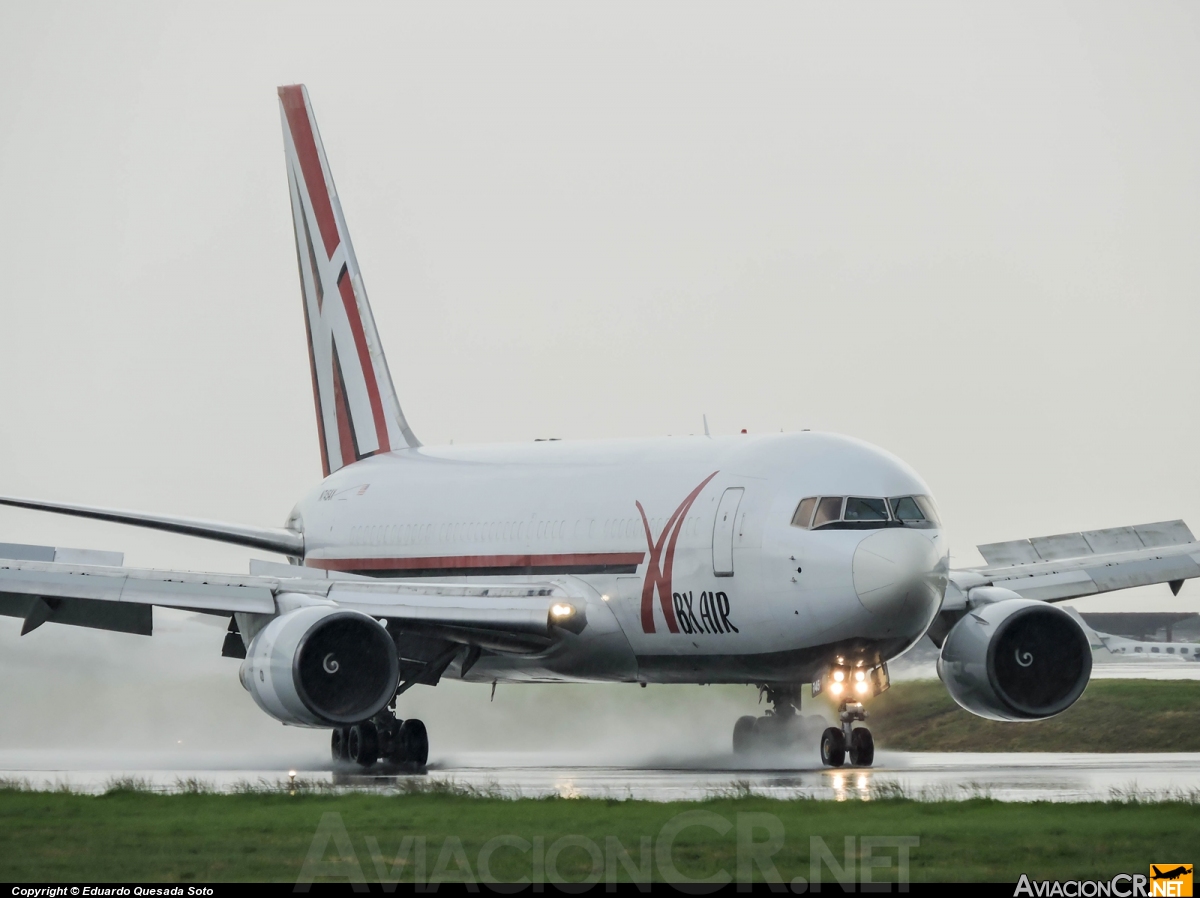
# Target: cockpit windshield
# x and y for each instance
(858, 509)
(865, 513)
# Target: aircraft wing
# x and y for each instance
(270, 539)
(1072, 565)
(41, 587)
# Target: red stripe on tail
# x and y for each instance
(346, 288)
(341, 411)
(301, 127)
(312, 368)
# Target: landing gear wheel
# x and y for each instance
(743, 735)
(862, 747)
(412, 744)
(833, 747)
(337, 744)
(364, 744)
(766, 733)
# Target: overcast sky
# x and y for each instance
(965, 233)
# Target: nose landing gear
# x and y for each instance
(783, 726)
(855, 683)
(837, 742)
(400, 743)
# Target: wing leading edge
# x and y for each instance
(268, 539)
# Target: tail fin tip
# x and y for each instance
(358, 413)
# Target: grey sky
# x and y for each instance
(966, 233)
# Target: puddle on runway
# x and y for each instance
(922, 775)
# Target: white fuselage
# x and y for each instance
(683, 547)
(1120, 648)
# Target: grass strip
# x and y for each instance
(1112, 716)
(128, 835)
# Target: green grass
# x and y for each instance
(197, 837)
(131, 834)
(1112, 716)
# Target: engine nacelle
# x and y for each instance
(321, 666)
(1017, 659)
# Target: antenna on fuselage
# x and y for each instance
(706, 433)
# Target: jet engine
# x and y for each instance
(1016, 659)
(321, 666)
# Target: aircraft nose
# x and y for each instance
(900, 574)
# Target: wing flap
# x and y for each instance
(122, 585)
(24, 552)
(1166, 533)
(121, 617)
(1065, 545)
(1114, 539)
(1018, 551)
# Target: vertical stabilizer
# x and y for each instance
(358, 414)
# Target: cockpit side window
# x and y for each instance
(927, 506)
(914, 511)
(804, 512)
(906, 509)
(828, 511)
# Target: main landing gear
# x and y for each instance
(781, 728)
(403, 743)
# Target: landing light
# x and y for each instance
(838, 676)
(561, 610)
(860, 675)
(836, 688)
(860, 687)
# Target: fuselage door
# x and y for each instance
(723, 528)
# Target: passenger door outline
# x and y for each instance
(724, 527)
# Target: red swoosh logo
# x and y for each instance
(658, 567)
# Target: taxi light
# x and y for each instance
(839, 675)
(860, 675)
(860, 687)
(836, 688)
(561, 610)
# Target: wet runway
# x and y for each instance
(921, 775)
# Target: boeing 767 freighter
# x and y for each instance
(781, 561)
